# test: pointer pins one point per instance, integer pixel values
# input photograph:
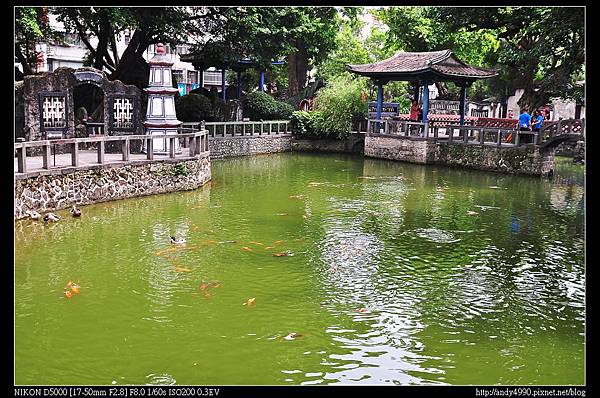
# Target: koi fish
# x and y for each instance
(472, 213)
(278, 242)
(250, 301)
(229, 241)
(181, 269)
(257, 243)
(202, 286)
(75, 289)
(269, 247)
(284, 254)
(247, 249)
(68, 294)
(282, 214)
(296, 197)
(362, 310)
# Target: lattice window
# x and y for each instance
(53, 112)
(123, 113)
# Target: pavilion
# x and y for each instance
(422, 69)
(221, 56)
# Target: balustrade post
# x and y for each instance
(465, 135)
(517, 135)
(171, 147)
(150, 148)
(262, 127)
(481, 136)
(368, 126)
(426, 130)
(499, 141)
(451, 134)
(75, 154)
(22, 159)
(125, 149)
(101, 152)
(47, 153)
(192, 146)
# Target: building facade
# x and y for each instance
(72, 53)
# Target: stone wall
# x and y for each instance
(513, 160)
(355, 143)
(225, 147)
(51, 190)
(412, 150)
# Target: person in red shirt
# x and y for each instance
(414, 111)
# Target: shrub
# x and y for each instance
(307, 124)
(339, 102)
(194, 108)
(259, 105)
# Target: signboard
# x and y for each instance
(88, 76)
(388, 109)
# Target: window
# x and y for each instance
(192, 77)
(181, 49)
(178, 75)
(212, 78)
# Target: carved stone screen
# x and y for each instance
(123, 113)
(53, 113)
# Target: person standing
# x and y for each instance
(538, 121)
(525, 125)
(414, 111)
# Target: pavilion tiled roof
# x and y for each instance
(442, 62)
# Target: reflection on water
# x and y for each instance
(401, 274)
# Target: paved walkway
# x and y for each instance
(89, 157)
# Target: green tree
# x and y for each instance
(349, 50)
(541, 48)
(31, 28)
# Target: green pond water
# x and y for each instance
(400, 274)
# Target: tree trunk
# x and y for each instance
(297, 68)
(291, 67)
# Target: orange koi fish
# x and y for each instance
(269, 247)
(246, 248)
(257, 243)
(68, 294)
(283, 254)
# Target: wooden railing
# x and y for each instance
(196, 141)
(242, 129)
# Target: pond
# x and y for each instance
(312, 269)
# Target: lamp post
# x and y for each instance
(160, 114)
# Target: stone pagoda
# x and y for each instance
(160, 115)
